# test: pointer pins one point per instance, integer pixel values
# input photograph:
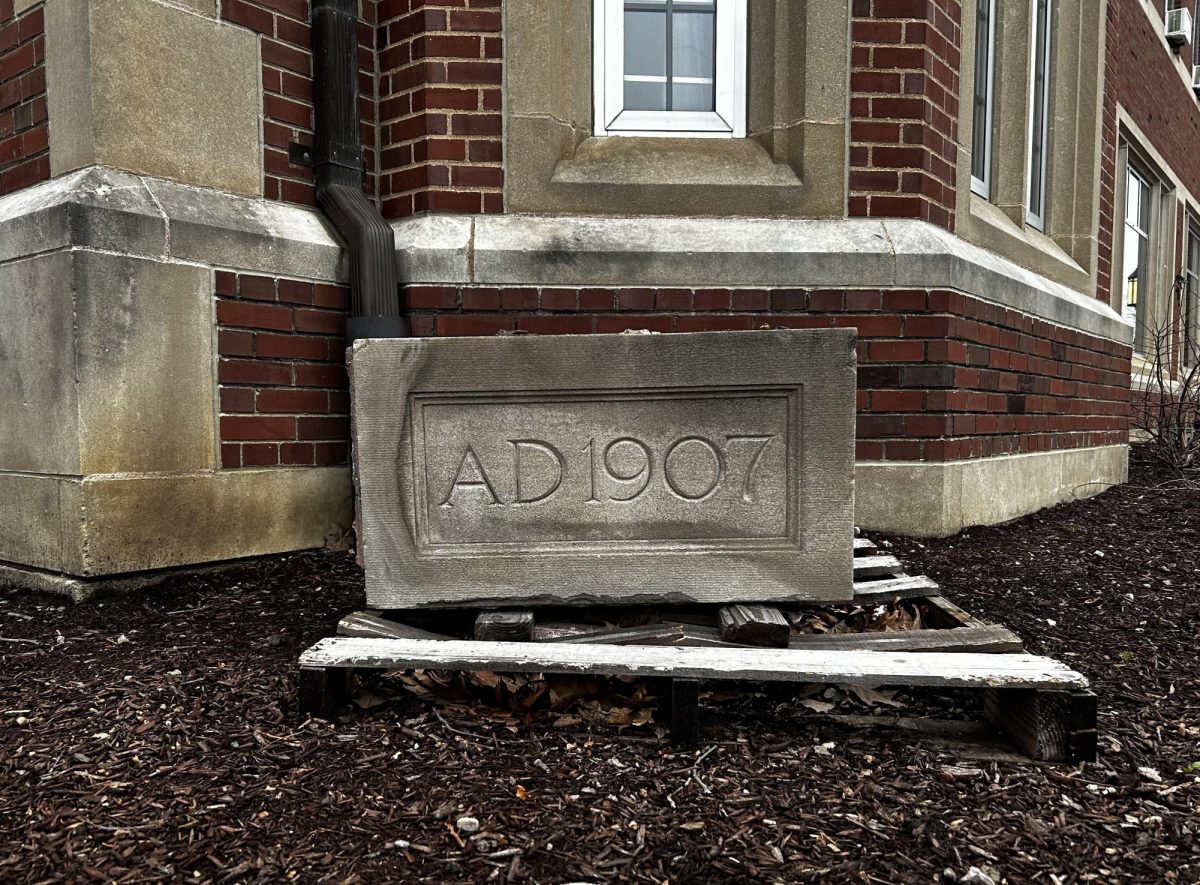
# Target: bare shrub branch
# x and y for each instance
(1165, 401)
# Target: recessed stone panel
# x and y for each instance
(610, 468)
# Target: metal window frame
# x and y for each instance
(983, 186)
(1191, 292)
(1035, 216)
(728, 120)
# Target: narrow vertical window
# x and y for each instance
(670, 67)
(985, 67)
(1039, 116)
(1136, 260)
(1191, 298)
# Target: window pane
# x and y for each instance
(645, 57)
(692, 59)
(980, 135)
(670, 55)
(1133, 199)
(1136, 257)
(1191, 320)
(1039, 122)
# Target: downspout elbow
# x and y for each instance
(371, 244)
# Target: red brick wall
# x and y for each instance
(904, 108)
(440, 126)
(283, 392)
(24, 147)
(941, 375)
(286, 45)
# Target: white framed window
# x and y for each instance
(1135, 265)
(985, 75)
(670, 67)
(1039, 112)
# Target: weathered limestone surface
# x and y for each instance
(156, 89)
(109, 360)
(606, 468)
(935, 499)
(108, 441)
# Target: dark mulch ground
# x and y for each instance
(154, 737)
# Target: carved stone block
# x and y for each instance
(710, 467)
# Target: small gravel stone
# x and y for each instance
(976, 876)
(468, 825)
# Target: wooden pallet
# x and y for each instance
(1043, 705)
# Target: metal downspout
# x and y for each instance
(338, 166)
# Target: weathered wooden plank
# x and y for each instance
(864, 547)
(697, 636)
(1055, 726)
(372, 624)
(987, 638)
(947, 614)
(557, 631)
(876, 566)
(901, 587)
(504, 626)
(683, 633)
(322, 690)
(868, 668)
(648, 634)
(762, 625)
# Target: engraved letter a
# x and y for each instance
(476, 478)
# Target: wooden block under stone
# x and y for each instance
(762, 625)
(505, 626)
(685, 712)
(322, 690)
(1051, 726)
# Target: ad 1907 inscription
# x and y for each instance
(521, 471)
(708, 467)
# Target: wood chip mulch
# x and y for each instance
(154, 738)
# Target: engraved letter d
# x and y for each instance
(536, 445)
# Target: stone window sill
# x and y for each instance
(994, 230)
(706, 162)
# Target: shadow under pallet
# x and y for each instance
(1041, 704)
